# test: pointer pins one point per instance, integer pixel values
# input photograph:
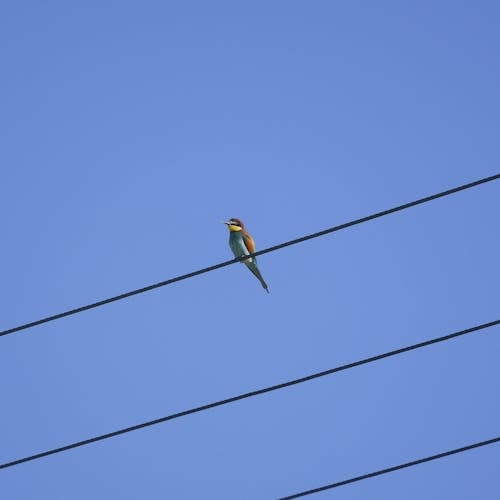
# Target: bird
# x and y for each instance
(241, 243)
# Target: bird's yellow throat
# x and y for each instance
(233, 228)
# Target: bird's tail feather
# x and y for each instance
(255, 270)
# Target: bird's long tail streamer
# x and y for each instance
(255, 270)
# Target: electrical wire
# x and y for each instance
(250, 394)
(393, 469)
(255, 254)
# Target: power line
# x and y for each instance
(393, 469)
(250, 394)
(260, 252)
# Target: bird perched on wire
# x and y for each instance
(241, 244)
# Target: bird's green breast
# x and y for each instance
(237, 243)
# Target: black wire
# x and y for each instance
(392, 469)
(260, 252)
(249, 394)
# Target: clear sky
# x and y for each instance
(131, 129)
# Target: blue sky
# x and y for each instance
(131, 129)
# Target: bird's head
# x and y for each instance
(234, 224)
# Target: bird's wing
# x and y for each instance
(249, 243)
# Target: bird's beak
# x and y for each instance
(225, 222)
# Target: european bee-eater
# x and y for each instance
(242, 243)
